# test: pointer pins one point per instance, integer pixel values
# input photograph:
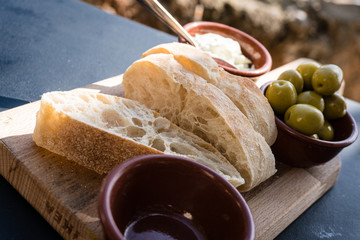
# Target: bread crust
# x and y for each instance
(86, 145)
(100, 131)
(242, 91)
(163, 84)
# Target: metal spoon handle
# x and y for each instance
(159, 11)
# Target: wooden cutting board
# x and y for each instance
(65, 194)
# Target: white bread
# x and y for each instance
(100, 131)
(162, 84)
(242, 91)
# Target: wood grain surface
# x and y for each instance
(65, 194)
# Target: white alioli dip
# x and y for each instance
(224, 48)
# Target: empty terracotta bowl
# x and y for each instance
(169, 197)
(298, 150)
(250, 47)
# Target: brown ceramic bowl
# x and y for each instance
(250, 47)
(298, 150)
(154, 194)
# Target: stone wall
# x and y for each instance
(325, 30)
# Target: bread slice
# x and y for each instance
(242, 91)
(162, 84)
(100, 131)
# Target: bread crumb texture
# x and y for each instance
(99, 131)
(161, 83)
(242, 91)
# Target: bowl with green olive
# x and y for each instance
(315, 127)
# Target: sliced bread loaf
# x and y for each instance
(242, 91)
(162, 84)
(100, 131)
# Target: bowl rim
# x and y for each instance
(304, 138)
(104, 203)
(266, 67)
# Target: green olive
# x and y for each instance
(335, 106)
(294, 77)
(312, 98)
(307, 70)
(315, 135)
(304, 118)
(326, 132)
(281, 95)
(327, 79)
